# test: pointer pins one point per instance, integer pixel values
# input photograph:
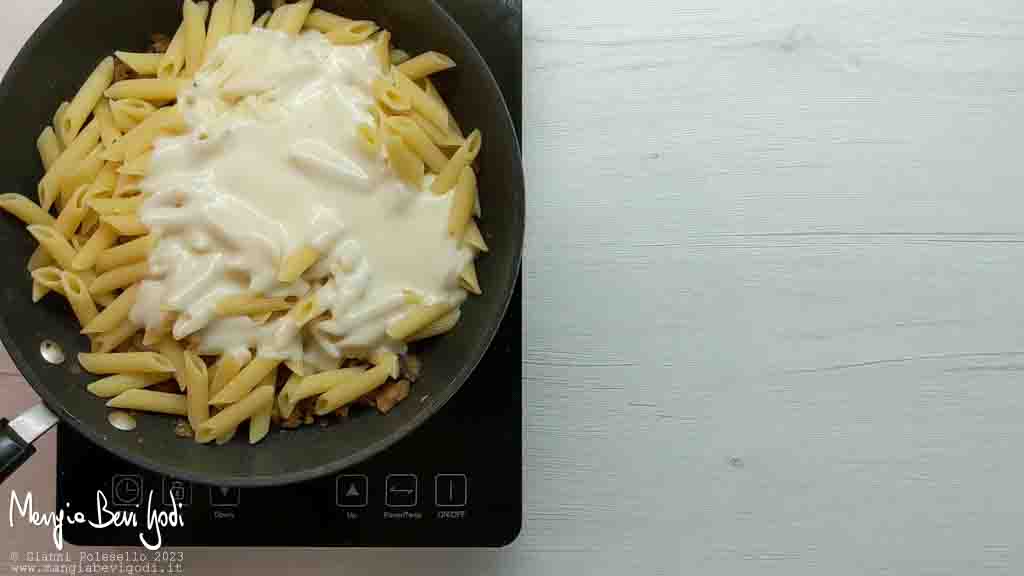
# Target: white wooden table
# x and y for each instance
(773, 278)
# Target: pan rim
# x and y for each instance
(438, 401)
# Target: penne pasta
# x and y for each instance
(101, 299)
(85, 100)
(49, 277)
(418, 140)
(38, 291)
(175, 354)
(129, 113)
(247, 379)
(259, 423)
(54, 243)
(246, 305)
(451, 127)
(460, 212)
(127, 185)
(426, 64)
(445, 138)
(78, 296)
(474, 238)
(404, 161)
(284, 405)
(292, 21)
(462, 158)
(149, 401)
(417, 319)
(381, 358)
(227, 368)
(382, 50)
(317, 384)
(350, 387)
(109, 132)
(85, 172)
(173, 62)
(121, 277)
(113, 385)
(73, 213)
(138, 139)
(296, 263)
(26, 210)
(198, 389)
(389, 95)
(115, 206)
(48, 146)
(114, 314)
(118, 363)
(421, 102)
(305, 310)
(324, 21)
(137, 167)
(39, 258)
(129, 253)
(194, 21)
(50, 186)
(221, 16)
(352, 32)
(468, 279)
(229, 418)
(58, 114)
(142, 63)
(109, 341)
(437, 327)
(102, 239)
(126, 224)
(148, 89)
(278, 16)
(241, 19)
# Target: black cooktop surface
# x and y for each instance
(456, 481)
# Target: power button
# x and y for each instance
(451, 490)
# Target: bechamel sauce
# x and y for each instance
(272, 163)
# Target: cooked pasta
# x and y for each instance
(86, 99)
(305, 333)
(242, 18)
(142, 63)
(426, 64)
(123, 362)
(194, 17)
(221, 17)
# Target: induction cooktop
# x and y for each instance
(455, 481)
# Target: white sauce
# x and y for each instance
(272, 163)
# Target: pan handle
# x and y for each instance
(16, 437)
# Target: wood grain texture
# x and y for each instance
(772, 278)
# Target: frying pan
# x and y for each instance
(50, 68)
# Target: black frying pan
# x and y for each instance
(51, 67)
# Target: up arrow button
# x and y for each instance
(351, 491)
